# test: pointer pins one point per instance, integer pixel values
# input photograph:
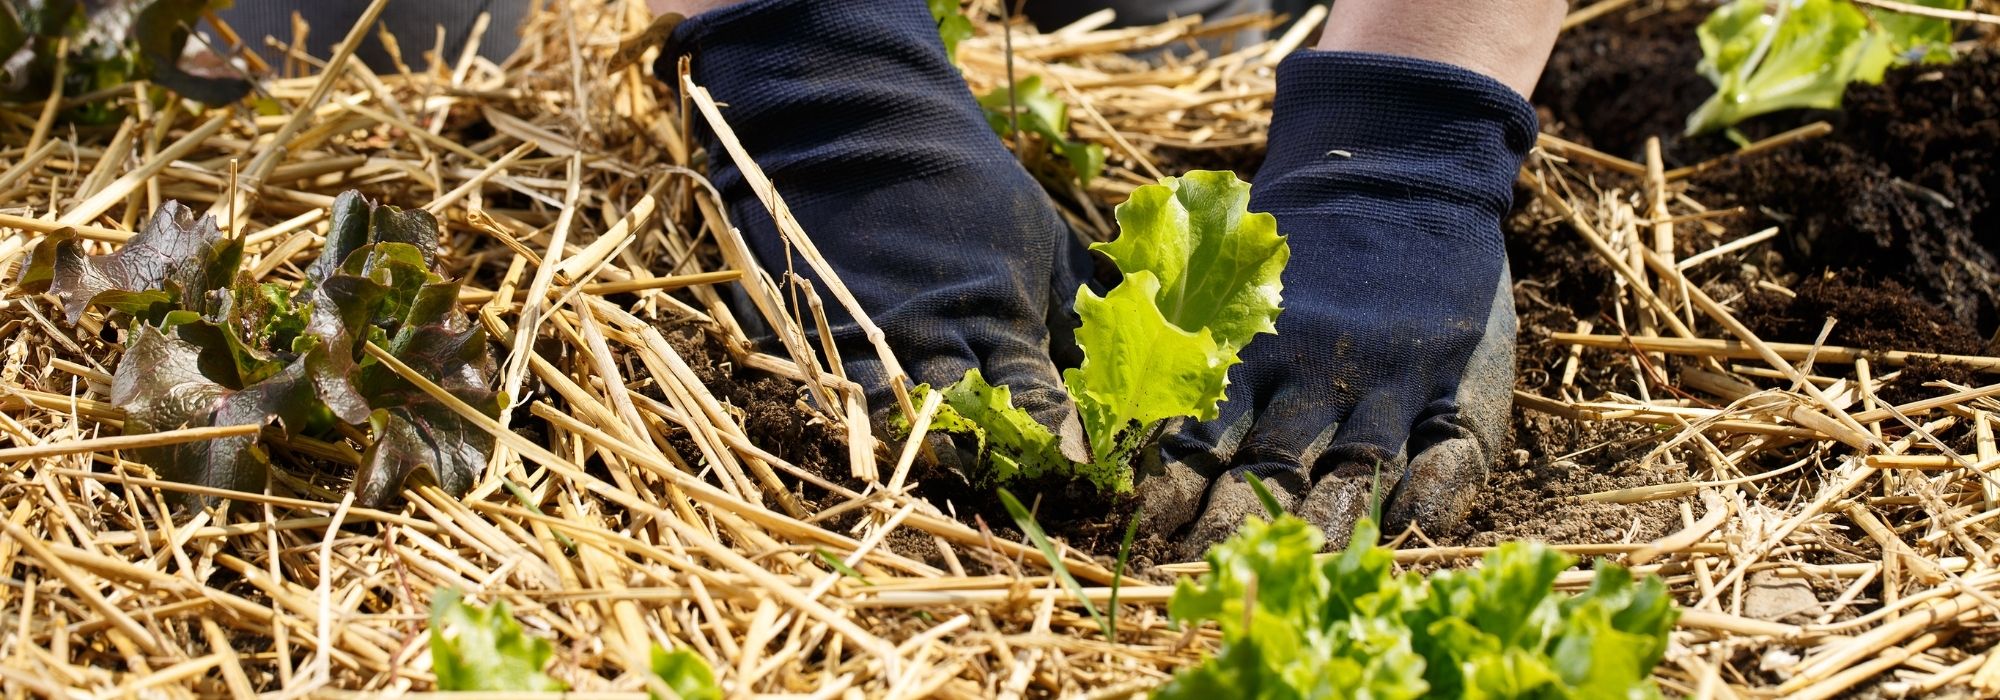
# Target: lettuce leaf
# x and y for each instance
(208, 347)
(685, 673)
(1041, 113)
(474, 648)
(1201, 281)
(1804, 53)
(1295, 625)
(953, 26)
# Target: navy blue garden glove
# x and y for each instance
(875, 142)
(1390, 375)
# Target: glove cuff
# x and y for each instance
(1396, 125)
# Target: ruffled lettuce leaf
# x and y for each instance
(211, 348)
(475, 648)
(174, 261)
(1803, 54)
(1201, 280)
(1295, 625)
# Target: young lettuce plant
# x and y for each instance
(1295, 625)
(1764, 57)
(1041, 113)
(1201, 279)
(208, 346)
(475, 648)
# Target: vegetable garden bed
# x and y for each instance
(675, 509)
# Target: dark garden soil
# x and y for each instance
(1886, 227)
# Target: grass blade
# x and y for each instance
(1026, 522)
(1118, 574)
(841, 566)
(1264, 494)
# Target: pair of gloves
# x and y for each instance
(1391, 369)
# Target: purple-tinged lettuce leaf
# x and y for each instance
(346, 232)
(161, 31)
(163, 383)
(416, 433)
(209, 347)
(174, 261)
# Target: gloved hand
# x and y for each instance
(1394, 353)
(872, 137)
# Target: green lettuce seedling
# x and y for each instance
(1201, 279)
(1039, 112)
(1295, 625)
(475, 648)
(685, 673)
(209, 346)
(1803, 54)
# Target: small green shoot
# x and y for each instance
(1118, 574)
(953, 26)
(526, 499)
(1264, 496)
(474, 648)
(840, 567)
(1026, 521)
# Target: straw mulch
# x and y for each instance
(629, 505)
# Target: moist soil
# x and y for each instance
(1887, 229)
(775, 415)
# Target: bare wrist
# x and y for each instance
(1507, 40)
(687, 8)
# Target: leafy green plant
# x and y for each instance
(1041, 113)
(1803, 53)
(210, 347)
(953, 26)
(475, 648)
(1298, 626)
(109, 44)
(1201, 279)
(686, 674)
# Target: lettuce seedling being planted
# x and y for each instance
(1295, 625)
(1765, 56)
(209, 346)
(1201, 279)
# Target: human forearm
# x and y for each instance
(1507, 40)
(687, 8)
